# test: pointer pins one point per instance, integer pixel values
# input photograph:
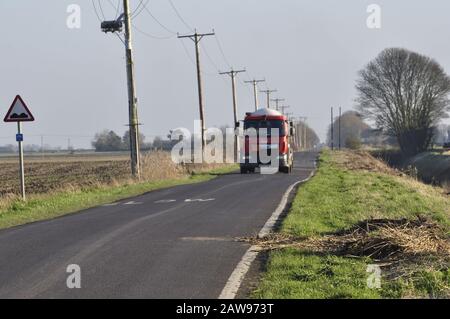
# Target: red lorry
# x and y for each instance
(267, 119)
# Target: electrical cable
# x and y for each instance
(222, 51)
(151, 35)
(117, 8)
(192, 59)
(157, 20)
(209, 58)
(139, 7)
(179, 16)
(96, 12)
(101, 9)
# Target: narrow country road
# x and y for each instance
(171, 243)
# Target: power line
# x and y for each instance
(222, 52)
(209, 57)
(96, 12)
(151, 35)
(116, 7)
(101, 9)
(191, 59)
(144, 6)
(157, 20)
(135, 13)
(211, 61)
(187, 52)
(179, 16)
(139, 7)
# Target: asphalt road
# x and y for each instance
(172, 243)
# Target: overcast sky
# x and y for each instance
(74, 80)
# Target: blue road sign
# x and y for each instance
(19, 137)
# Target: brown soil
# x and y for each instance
(44, 175)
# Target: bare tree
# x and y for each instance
(406, 94)
(352, 128)
(107, 141)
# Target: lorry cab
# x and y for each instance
(263, 121)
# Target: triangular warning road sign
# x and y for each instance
(18, 112)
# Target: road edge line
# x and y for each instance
(237, 276)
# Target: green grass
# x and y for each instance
(336, 199)
(296, 274)
(47, 206)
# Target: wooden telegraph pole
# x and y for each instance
(232, 75)
(196, 38)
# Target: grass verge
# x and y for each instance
(335, 204)
(46, 206)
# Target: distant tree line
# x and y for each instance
(8, 148)
(110, 141)
(355, 132)
(351, 131)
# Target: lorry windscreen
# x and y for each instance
(270, 124)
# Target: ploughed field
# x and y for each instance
(56, 173)
(61, 172)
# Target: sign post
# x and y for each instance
(19, 112)
(21, 168)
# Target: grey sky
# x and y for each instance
(74, 80)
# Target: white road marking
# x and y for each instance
(237, 276)
(198, 200)
(111, 204)
(133, 203)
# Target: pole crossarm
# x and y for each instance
(196, 37)
(277, 101)
(283, 107)
(232, 72)
(268, 92)
(255, 82)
